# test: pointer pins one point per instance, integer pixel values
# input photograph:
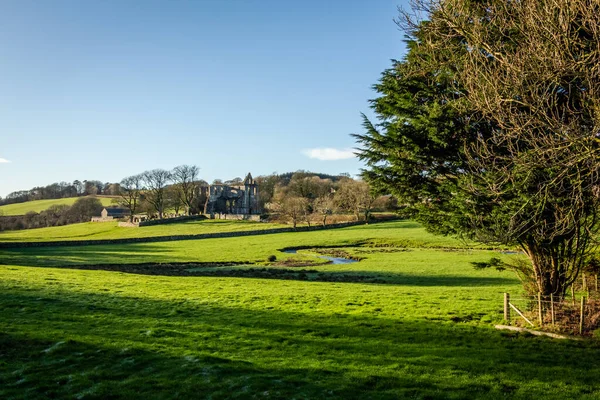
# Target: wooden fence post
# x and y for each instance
(573, 293)
(540, 316)
(583, 283)
(552, 307)
(507, 308)
(582, 317)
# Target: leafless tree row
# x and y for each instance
(307, 197)
(161, 189)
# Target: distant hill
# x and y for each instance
(286, 177)
(41, 205)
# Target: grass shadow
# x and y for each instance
(236, 269)
(58, 256)
(66, 344)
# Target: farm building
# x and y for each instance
(111, 213)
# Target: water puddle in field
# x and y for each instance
(334, 260)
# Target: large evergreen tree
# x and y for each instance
(489, 128)
(416, 149)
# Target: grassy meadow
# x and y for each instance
(41, 205)
(411, 319)
(110, 230)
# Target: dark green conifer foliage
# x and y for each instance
(488, 129)
(416, 149)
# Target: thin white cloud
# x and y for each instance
(3, 160)
(329, 154)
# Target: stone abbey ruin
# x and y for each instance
(238, 201)
(232, 201)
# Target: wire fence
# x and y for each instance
(586, 284)
(578, 313)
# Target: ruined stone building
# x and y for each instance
(232, 199)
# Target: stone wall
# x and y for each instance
(128, 224)
(102, 219)
(236, 217)
(151, 222)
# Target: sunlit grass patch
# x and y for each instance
(111, 230)
(421, 327)
(41, 205)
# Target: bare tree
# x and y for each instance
(156, 181)
(111, 189)
(235, 181)
(309, 187)
(324, 206)
(356, 197)
(129, 192)
(293, 207)
(266, 185)
(172, 198)
(306, 212)
(79, 188)
(187, 184)
(93, 187)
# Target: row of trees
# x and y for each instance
(297, 196)
(61, 190)
(268, 184)
(307, 196)
(81, 211)
(156, 190)
(488, 128)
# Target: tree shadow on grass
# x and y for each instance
(394, 224)
(130, 258)
(233, 269)
(74, 369)
(59, 256)
(65, 344)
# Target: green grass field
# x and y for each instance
(41, 205)
(110, 230)
(424, 330)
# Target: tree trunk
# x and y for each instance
(555, 266)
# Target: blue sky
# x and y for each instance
(105, 89)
